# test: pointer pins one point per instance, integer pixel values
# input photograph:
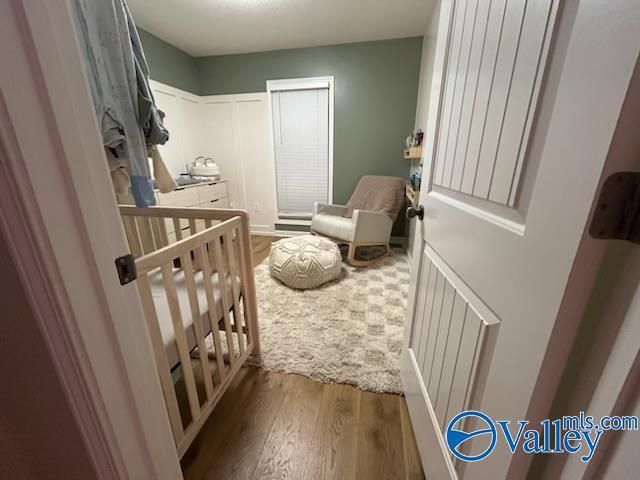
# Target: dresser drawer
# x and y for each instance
(221, 203)
(186, 197)
(217, 203)
(207, 193)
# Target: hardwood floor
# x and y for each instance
(276, 426)
(261, 246)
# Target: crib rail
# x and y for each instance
(207, 242)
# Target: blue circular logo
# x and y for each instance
(482, 426)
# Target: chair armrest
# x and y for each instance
(329, 209)
(371, 227)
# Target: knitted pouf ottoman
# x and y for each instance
(305, 262)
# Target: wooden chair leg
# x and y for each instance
(351, 256)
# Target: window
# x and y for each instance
(302, 126)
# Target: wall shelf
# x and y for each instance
(413, 152)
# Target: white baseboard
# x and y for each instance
(261, 230)
(399, 240)
(293, 233)
(294, 221)
(289, 233)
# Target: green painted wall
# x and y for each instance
(170, 65)
(376, 86)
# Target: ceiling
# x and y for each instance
(217, 27)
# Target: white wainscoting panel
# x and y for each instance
(184, 120)
(452, 340)
(496, 55)
(237, 127)
(234, 131)
(172, 151)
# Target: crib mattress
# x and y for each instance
(164, 314)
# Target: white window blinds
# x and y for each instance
(301, 143)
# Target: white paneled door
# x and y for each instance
(525, 100)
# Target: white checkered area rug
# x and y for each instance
(346, 331)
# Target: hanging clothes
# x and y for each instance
(118, 77)
(164, 181)
(150, 117)
(122, 186)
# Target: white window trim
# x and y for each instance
(302, 84)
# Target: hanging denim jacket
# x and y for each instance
(118, 78)
(150, 116)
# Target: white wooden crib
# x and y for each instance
(195, 279)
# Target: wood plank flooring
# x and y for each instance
(261, 247)
(275, 426)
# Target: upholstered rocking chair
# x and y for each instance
(366, 219)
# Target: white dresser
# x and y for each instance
(203, 195)
(199, 195)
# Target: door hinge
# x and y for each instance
(617, 213)
(126, 268)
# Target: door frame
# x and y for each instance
(60, 221)
(577, 23)
(421, 412)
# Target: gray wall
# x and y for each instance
(170, 65)
(376, 86)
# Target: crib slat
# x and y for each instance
(162, 226)
(235, 288)
(181, 340)
(157, 233)
(133, 237)
(144, 225)
(164, 370)
(222, 285)
(177, 228)
(212, 310)
(192, 226)
(197, 321)
(207, 224)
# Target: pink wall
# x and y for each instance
(39, 438)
